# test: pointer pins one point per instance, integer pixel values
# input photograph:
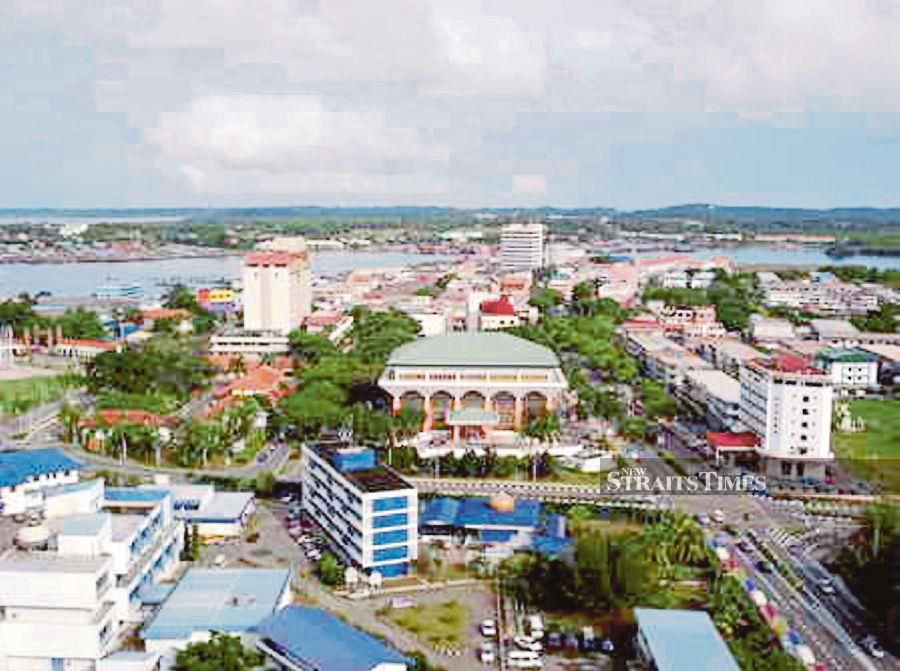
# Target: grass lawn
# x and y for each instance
(438, 624)
(18, 396)
(575, 477)
(875, 453)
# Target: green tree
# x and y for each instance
(310, 348)
(81, 323)
(330, 570)
(223, 652)
(544, 299)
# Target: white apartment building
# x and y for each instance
(64, 609)
(787, 403)
(850, 369)
(249, 343)
(522, 246)
(26, 476)
(662, 359)
(369, 513)
(56, 611)
(688, 279)
(277, 289)
(829, 297)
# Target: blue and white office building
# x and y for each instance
(368, 511)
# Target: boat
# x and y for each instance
(113, 290)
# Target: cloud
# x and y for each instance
(474, 101)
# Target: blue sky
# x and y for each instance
(463, 102)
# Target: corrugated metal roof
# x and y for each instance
(17, 466)
(228, 600)
(315, 639)
(683, 640)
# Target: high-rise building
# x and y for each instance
(277, 286)
(369, 513)
(522, 246)
(787, 402)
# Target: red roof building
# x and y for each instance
(501, 307)
(114, 417)
(732, 441)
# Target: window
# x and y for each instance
(393, 503)
(390, 521)
(805, 411)
(391, 537)
(390, 553)
(57, 664)
(806, 399)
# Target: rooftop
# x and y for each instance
(52, 562)
(134, 495)
(732, 440)
(16, 466)
(125, 526)
(683, 640)
(478, 512)
(270, 259)
(474, 349)
(833, 328)
(786, 363)
(89, 524)
(847, 356)
(719, 384)
(223, 507)
(314, 639)
(228, 600)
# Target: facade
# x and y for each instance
(688, 279)
(299, 638)
(694, 321)
(522, 246)
(249, 343)
(788, 403)
(850, 368)
(823, 297)
(369, 513)
(26, 476)
(680, 640)
(473, 385)
(277, 290)
(768, 329)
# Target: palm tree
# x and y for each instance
(70, 416)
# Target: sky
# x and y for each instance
(618, 103)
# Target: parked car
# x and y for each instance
(718, 516)
(703, 519)
(402, 602)
(607, 646)
(528, 643)
(486, 653)
(489, 629)
(765, 566)
(826, 586)
(554, 640)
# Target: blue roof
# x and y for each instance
(683, 640)
(477, 512)
(16, 466)
(83, 525)
(314, 639)
(440, 511)
(155, 594)
(134, 494)
(228, 600)
(549, 545)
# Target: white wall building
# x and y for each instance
(26, 476)
(277, 290)
(522, 246)
(787, 403)
(63, 610)
(716, 393)
(368, 511)
(850, 368)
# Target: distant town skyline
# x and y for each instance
(465, 104)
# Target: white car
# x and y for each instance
(314, 555)
(718, 516)
(489, 629)
(486, 653)
(826, 586)
(527, 643)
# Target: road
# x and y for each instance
(810, 611)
